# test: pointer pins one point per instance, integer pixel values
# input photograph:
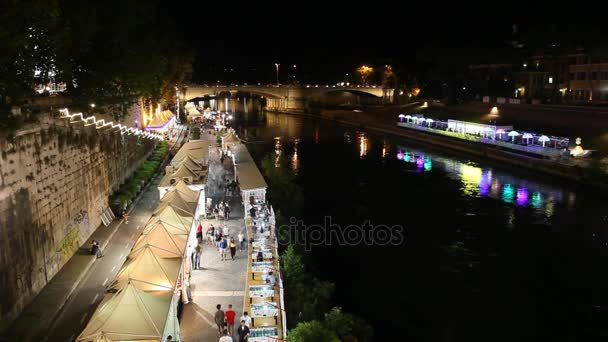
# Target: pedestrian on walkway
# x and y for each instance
(226, 212)
(192, 256)
(188, 291)
(254, 228)
(199, 252)
(225, 337)
(230, 314)
(241, 239)
(223, 248)
(243, 332)
(219, 318)
(125, 216)
(210, 235)
(225, 230)
(218, 237)
(199, 232)
(246, 318)
(232, 248)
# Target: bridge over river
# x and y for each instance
(293, 97)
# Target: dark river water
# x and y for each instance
(490, 253)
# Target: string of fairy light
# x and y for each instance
(101, 124)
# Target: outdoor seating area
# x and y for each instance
(264, 295)
(504, 136)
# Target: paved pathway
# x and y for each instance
(219, 282)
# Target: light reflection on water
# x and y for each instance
(479, 181)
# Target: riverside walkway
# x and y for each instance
(219, 282)
(242, 281)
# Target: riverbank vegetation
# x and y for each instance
(134, 184)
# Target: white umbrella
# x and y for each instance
(513, 134)
(429, 122)
(527, 136)
(401, 117)
(500, 132)
(543, 139)
(408, 117)
(421, 119)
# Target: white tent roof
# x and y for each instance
(148, 271)
(162, 242)
(248, 174)
(175, 228)
(188, 194)
(174, 216)
(129, 315)
(173, 198)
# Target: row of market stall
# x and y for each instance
(141, 303)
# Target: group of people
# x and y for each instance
(96, 249)
(225, 322)
(222, 211)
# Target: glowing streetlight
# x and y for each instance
(92, 105)
(277, 67)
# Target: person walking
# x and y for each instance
(225, 337)
(218, 238)
(243, 332)
(219, 318)
(199, 252)
(241, 239)
(232, 248)
(226, 212)
(199, 232)
(210, 235)
(230, 314)
(188, 291)
(192, 256)
(223, 248)
(246, 318)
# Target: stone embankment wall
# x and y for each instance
(55, 180)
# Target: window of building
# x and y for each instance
(593, 75)
(604, 95)
(550, 80)
(604, 75)
(581, 76)
(571, 76)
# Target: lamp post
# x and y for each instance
(277, 67)
(177, 97)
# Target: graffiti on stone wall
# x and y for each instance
(81, 218)
(69, 245)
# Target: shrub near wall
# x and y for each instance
(138, 180)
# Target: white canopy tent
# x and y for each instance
(132, 315)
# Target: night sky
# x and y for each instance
(326, 40)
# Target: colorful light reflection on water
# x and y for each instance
(482, 182)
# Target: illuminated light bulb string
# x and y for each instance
(101, 123)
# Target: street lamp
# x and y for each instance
(92, 105)
(177, 97)
(277, 67)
